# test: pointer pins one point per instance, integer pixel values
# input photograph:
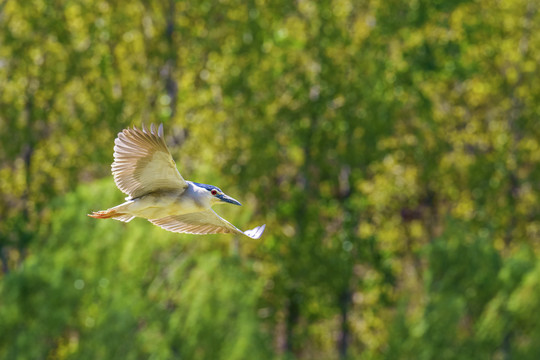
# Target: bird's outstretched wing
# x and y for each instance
(203, 222)
(142, 163)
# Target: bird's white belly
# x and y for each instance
(157, 206)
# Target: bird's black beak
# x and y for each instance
(228, 199)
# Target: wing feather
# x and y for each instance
(143, 163)
(203, 222)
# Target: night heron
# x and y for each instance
(144, 169)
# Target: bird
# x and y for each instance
(144, 169)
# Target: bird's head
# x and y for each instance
(217, 196)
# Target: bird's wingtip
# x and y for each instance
(153, 129)
(256, 232)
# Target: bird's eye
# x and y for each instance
(213, 192)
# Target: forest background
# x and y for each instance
(391, 147)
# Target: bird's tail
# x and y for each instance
(111, 213)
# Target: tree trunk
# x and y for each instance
(343, 339)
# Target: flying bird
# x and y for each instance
(144, 169)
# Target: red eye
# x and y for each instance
(213, 192)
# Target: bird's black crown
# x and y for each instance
(208, 187)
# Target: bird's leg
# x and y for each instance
(105, 214)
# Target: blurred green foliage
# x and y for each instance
(392, 148)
